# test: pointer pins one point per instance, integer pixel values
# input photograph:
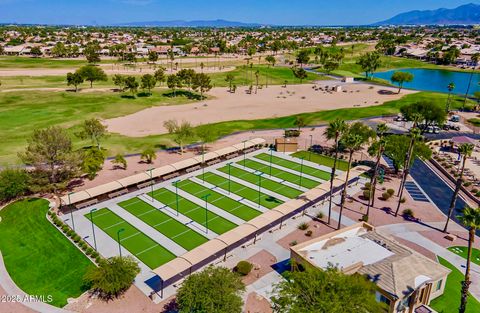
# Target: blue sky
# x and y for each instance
(280, 12)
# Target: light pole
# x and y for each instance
(121, 230)
(259, 186)
(310, 150)
(71, 210)
(271, 152)
(244, 153)
(175, 183)
(301, 170)
(229, 176)
(206, 211)
(93, 228)
(151, 181)
(203, 165)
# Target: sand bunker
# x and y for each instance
(274, 101)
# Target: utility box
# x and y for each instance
(286, 144)
(348, 79)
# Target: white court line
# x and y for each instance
(184, 232)
(122, 239)
(156, 245)
(116, 224)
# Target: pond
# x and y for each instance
(436, 80)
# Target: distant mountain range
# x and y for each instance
(198, 23)
(465, 14)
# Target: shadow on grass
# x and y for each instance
(184, 93)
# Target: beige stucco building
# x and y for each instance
(407, 281)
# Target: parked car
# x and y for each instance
(455, 118)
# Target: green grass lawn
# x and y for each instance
(275, 75)
(220, 201)
(186, 207)
(450, 300)
(29, 62)
(281, 174)
(474, 121)
(295, 165)
(39, 258)
(322, 160)
(137, 243)
(171, 228)
(266, 201)
(266, 183)
(462, 251)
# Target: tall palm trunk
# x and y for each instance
(344, 192)
(468, 87)
(373, 181)
(406, 170)
(332, 177)
(455, 194)
(466, 283)
(447, 109)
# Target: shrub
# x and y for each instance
(320, 215)
(308, 233)
(390, 191)
(303, 226)
(366, 194)
(70, 232)
(367, 186)
(244, 267)
(13, 183)
(408, 213)
(385, 196)
(76, 238)
(403, 200)
(293, 243)
(477, 194)
(89, 251)
(467, 184)
(364, 218)
(474, 190)
(95, 254)
(65, 228)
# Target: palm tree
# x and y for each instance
(471, 219)
(334, 130)
(379, 148)
(465, 151)
(475, 59)
(414, 135)
(353, 142)
(450, 88)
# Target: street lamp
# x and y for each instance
(151, 181)
(206, 211)
(244, 153)
(175, 183)
(203, 165)
(229, 176)
(121, 230)
(71, 211)
(311, 145)
(93, 228)
(301, 170)
(271, 152)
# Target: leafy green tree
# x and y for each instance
(299, 73)
(183, 132)
(396, 148)
(201, 82)
(92, 52)
(160, 75)
(148, 155)
(92, 161)
(334, 131)
(229, 78)
(148, 82)
(36, 52)
(119, 80)
(329, 291)
(74, 79)
(173, 82)
(13, 183)
(119, 160)
(131, 84)
(470, 218)
(152, 56)
(300, 121)
(112, 277)
(465, 150)
(270, 60)
(50, 153)
(213, 290)
(206, 134)
(59, 50)
(400, 78)
(303, 57)
(94, 130)
(429, 112)
(92, 74)
(369, 62)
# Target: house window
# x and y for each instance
(439, 285)
(381, 298)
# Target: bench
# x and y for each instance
(146, 184)
(231, 156)
(209, 163)
(248, 150)
(86, 203)
(192, 169)
(450, 237)
(170, 176)
(117, 193)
